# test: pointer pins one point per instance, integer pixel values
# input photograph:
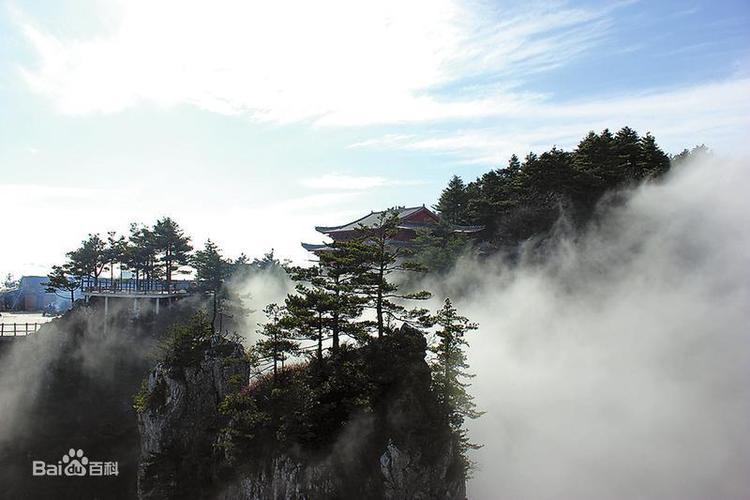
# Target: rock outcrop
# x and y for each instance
(180, 422)
(399, 449)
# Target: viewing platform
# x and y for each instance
(144, 294)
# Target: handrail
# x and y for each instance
(134, 287)
(18, 329)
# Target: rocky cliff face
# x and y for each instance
(394, 451)
(72, 385)
(401, 474)
(180, 422)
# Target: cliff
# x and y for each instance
(365, 426)
(71, 385)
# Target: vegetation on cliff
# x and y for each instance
(525, 198)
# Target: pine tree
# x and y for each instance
(438, 249)
(211, 272)
(514, 165)
(89, 259)
(114, 253)
(335, 277)
(309, 314)
(452, 203)
(627, 146)
(654, 162)
(63, 279)
(377, 256)
(278, 343)
(173, 247)
(449, 372)
(141, 254)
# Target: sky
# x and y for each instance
(252, 122)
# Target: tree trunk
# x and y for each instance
(379, 303)
(213, 317)
(320, 339)
(335, 325)
(335, 332)
(381, 276)
(275, 354)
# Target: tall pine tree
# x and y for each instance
(449, 375)
(452, 204)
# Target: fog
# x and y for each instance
(619, 367)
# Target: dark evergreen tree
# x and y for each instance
(377, 255)
(211, 273)
(452, 203)
(63, 279)
(141, 252)
(114, 254)
(437, 249)
(449, 375)
(627, 146)
(278, 343)
(173, 247)
(89, 259)
(335, 277)
(654, 162)
(309, 312)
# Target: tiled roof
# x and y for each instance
(369, 220)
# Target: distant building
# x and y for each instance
(31, 295)
(411, 220)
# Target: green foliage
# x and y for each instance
(525, 199)
(62, 279)
(332, 284)
(375, 262)
(449, 373)
(185, 343)
(211, 273)
(89, 259)
(697, 153)
(438, 249)
(172, 245)
(145, 399)
(278, 343)
(304, 408)
(453, 202)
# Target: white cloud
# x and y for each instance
(352, 182)
(715, 113)
(336, 181)
(338, 62)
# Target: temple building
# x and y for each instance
(411, 220)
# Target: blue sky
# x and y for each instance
(251, 122)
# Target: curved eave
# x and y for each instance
(313, 247)
(467, 229)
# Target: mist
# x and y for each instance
(617, 366)
(255, 291)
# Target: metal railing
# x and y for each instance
(18, 329)
(134, 287)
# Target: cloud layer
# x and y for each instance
(618, 367)
(336, 62)
(343, 63)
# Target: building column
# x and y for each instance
(106, 314)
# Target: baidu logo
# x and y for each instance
(74, 463)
